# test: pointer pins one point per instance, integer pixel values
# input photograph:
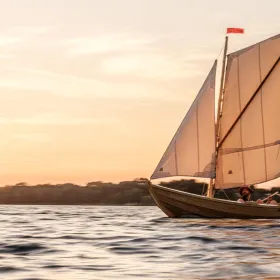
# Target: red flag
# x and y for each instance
(235, 30)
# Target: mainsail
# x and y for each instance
(192, 149)
(249, 132)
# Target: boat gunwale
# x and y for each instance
(218, 200)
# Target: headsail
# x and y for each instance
(249, 144)
(192, 149)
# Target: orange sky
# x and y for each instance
(94, 90)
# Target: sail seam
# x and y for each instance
(241, 138)
(249, 102)
(176, 162)
(261, 93)
(197, 136)
(238, 150)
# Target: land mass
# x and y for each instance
(133, 192)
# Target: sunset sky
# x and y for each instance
(94, 90)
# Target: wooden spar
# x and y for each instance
(221, 92)
(276, 193)
(210, 190)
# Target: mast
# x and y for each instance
(210, 190)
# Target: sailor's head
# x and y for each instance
(245, 190)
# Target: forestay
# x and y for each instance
(192, 149)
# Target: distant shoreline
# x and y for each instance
(127, 193)
(98, 193)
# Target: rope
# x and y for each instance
(220, 52)
(223, 190)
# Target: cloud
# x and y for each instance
(19, 34)
(9, 40)
(72, 86)
(18, 38)
(32, 136)
(4, 56)
(108, 43)
(4, 142)
(55, 119)
(162, 66)
(60, 84)
(30, 30)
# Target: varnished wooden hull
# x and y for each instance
(176, 203)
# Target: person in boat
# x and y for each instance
(246, 194)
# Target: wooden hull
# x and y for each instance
(176, 203)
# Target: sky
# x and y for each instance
(95, 90)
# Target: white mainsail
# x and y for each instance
(249, 138)
(192, 149)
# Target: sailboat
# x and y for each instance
(238, 147)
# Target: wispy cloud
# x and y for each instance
(108, 43)
(31, 30)
(31, 136)
(161, 66)
(19, 38)
(54, 119)
(4, 142)
(70, 85)
(41, 80)
(17, 34)
(4, 56)
(9, 40)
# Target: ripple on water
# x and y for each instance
(6, 268)
(86, 242)
(22, 248)
(203, 239)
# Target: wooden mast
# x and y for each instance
(210, 190)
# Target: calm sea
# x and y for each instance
(102, 242)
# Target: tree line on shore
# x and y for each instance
(133, 192)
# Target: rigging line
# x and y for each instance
(226, 151)
(220, 52)
(221, 188)
(225, 194)
(249, 102)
